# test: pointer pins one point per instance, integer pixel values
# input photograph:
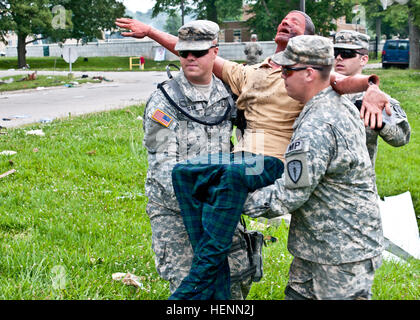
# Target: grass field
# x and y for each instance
(73, 213)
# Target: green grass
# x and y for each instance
(74, 210)
(92, 64)
(41, 81)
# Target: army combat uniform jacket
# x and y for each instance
(328, 186)
(396, 130)
(170, 137)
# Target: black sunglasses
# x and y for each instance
(288, 71)
(196, 53)
(346, 53)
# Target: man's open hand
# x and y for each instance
(138, 29)
(374, 102)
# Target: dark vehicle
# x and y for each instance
(396, 53)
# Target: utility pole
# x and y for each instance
(302, 5)
(182, 12)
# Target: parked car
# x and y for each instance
(2, 54)
(396, 53)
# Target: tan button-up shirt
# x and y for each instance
(269, 111)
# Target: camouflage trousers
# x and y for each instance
(347, 281)
(173, 252)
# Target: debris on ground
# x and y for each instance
(7, 152)
(128, 279)
(29, 77)
(7, 173)
(38, 132)
(101, 78)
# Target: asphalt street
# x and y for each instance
(45, 104)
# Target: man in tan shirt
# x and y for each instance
(261, 92)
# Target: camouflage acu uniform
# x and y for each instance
(169, 138)
(396, 129)
(335, 231)
(253, 52)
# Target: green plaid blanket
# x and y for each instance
(211, 191)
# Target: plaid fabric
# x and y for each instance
(211, 191)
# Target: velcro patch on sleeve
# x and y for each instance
(162, 117)
(297, 173)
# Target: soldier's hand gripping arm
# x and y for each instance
(374, 101)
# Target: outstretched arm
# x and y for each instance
(140, 30)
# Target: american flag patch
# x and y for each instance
(162, 117)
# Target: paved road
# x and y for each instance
(34, 105)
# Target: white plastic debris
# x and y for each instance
(400, 225)
(38, 132)
(128, 279)
(8, 152)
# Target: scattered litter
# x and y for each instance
(38, 132)
(7, 152)
(401, 232)
(7, 173)
(35, 150)
(10, 80)
(45, 120)
(75, 83)
(40, 88)
(85, 76)
(29, 77)
(91, 153)
(16, 117)
(101, 78)
(128, 279)
(68, 85)
(140, 118)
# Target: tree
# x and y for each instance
(214, 10)
(173, 23)
(269, 13)
(401, 17)
(36, 19)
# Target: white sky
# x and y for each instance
(138, 5)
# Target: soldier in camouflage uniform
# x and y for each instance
(171, 137)
(335, 231)
(253, 51)
(351, 50)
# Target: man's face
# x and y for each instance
(294, 83)
(198, 69)
(349, 66)
(292, 25)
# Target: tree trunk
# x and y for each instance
(211, 11)
(414, 35)
(21, 47)
(378, 36)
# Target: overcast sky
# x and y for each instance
(139, 5)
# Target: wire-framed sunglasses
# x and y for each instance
(346, 53)
(196, 53)
(288, 71)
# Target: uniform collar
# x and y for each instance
(218, 90)
(319, 96)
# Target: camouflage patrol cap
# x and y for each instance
(306, 49)
(197, 35)
(348, 39)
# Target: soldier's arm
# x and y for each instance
(396, 130)
(140, 30)
(374, 101)
(294, 188)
